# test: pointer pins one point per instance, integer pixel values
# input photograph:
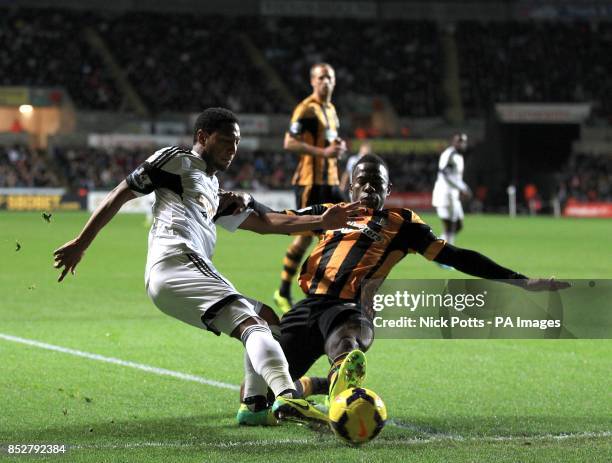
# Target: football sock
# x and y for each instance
(254, 384)
(291, 263)
(319, 385)
(256, 403)
(290, 394)
(307, 386)
(267, 358)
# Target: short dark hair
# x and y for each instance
(212, 119)
(320, 65)
(371, 159)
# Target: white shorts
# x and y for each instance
(189, 288)
(452, 212)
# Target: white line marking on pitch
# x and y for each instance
(125, 363)
(334, 443)
(433, 437)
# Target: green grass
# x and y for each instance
(450, 400)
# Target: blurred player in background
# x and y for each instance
(313, 134)
(450, 187)
(345, 181)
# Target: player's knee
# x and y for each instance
(247, 326)
(269, 315)
(458, 226)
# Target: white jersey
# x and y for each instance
(449, 182)
(185, 208)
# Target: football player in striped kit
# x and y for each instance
(333, 320)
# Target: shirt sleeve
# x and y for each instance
(302, 120)
(417, 236)
(150, 175)
(446, 159)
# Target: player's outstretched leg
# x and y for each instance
(345, 348)
(265, 365)
(291, 262)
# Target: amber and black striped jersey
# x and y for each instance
(344, 259)
(317, 124)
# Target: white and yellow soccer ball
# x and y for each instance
(357, 415)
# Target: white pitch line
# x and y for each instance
(125, 363)
(334, 443)
(432, 437)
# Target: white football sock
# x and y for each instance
(267, 358)
(254, 384)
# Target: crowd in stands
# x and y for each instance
(96, 168)
(47, 48)
(187, 63)
(397, 59)
(102, 169)
(535, 62)
(181, 62)
(587, 177)
(22, 167)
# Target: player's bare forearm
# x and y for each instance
(68, 256)
(459, 186)
(298, 146)
(105, 212)
(478, 265)
(282, 224)
(334, 217)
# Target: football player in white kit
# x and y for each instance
(180, 277)
(450, 187)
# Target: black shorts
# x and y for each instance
(309, 195)
(306, 327)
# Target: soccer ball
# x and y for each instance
(357, 415)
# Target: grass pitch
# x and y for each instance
(448, 400)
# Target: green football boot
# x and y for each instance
(265, 417)
(350, 373)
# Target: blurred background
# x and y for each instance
(90, 88)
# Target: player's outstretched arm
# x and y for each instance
(475, 264)
(336, 216)
(69, 255)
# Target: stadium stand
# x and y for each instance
(197, 67)
(97, 168)
(21, 166)
(398, 59)
(49, 50)
(535, 62)
(588, 177)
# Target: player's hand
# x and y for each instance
(466, 194)
(336, 149)
(545, 284)
(68, 256)
(233, 201)
(338, 215)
